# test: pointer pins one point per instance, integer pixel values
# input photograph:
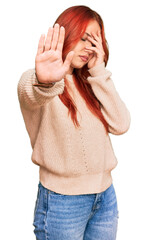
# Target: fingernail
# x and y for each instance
(56, 24)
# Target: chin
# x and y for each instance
(78, 66)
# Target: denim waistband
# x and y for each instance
(46, 190)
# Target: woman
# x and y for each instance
(70, 105)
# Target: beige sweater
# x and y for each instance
(72, 160)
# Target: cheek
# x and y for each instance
(78, 47)
(75, 59)
(73, 62)
(76, 62)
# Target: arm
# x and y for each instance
(31, 96)
(34, 87)
(113, 108)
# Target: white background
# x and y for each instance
(125, 22)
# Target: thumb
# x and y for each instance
(68, 60)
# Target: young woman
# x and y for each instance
(70, 105)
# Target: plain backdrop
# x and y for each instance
(21, 24)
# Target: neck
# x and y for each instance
(70, 70)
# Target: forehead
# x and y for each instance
(93, 26)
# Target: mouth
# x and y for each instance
(84, 58)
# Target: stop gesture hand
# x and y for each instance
(49, 65)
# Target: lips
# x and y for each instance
(84, 58)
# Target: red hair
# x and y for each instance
(75, 20)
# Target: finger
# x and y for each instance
(41, 44)
(99, 32)
(96, 42)
(88, 51)
(55, 36)
(93, 41)
(94, 49)
(68, 60)
(48, 39)
(97, 53)
(61, 39)
(97, 36)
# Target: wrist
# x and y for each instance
(97, 69)
(45, 85)
(42, 84)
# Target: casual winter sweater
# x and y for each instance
(73, 160)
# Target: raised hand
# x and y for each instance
(49, 65)
(96, 49)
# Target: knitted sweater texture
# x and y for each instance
(72, 160)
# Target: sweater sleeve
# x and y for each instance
(113, 108)
(32, 97)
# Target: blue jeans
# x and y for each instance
(75, 217)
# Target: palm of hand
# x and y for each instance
(48, 63)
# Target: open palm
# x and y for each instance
(49, 65)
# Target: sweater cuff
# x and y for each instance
(97, 70)
(98, 73)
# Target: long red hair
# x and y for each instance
(75, 20)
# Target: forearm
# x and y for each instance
(113, 108)
(31, 96)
